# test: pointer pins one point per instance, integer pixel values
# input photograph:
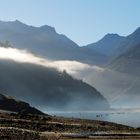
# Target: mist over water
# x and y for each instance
(113, 85)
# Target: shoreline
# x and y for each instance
(42, 127)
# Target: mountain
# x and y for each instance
(107, 45)
(113, 45)
(47, 88)
(128, 62)
(125, 81)
(119, 82)
(129, 42)
(46, 42)
(120, 89)
(10, 104)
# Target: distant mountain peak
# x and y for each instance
(17, 21)
(12, 22)
(107, 45)
(46, 42)
(137, 31)
(43, 27)
(20, 25)
(48, 28)
(111, 35)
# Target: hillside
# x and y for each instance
(107, 45)
(46, 42)
(129, 42)
(8, 103)
(47, 88)
(113, 45)
(128, 62)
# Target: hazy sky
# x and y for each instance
(83, 21)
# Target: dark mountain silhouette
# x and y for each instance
(128, 62)
(10, 104)
(47, 88)
(45, 41)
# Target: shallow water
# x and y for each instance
(130, 118)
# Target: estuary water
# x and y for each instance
(125, 117)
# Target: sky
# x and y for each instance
(83, 21)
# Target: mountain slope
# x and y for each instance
(114, 45)
(107, 45)
(10, 104)
(46, 88)
(129, 42)
(128, 62)
(45, 41)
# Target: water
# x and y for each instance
(130, 118)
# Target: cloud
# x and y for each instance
(111, 84)
(23, 56)
(72, 67)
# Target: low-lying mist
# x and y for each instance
(120, 89)
(37, 81)
(23, 56)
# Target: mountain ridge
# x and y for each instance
(46, 42)
(8, 103)
(48, 88)
(114, 45)
(128, 62)
(106, 45)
